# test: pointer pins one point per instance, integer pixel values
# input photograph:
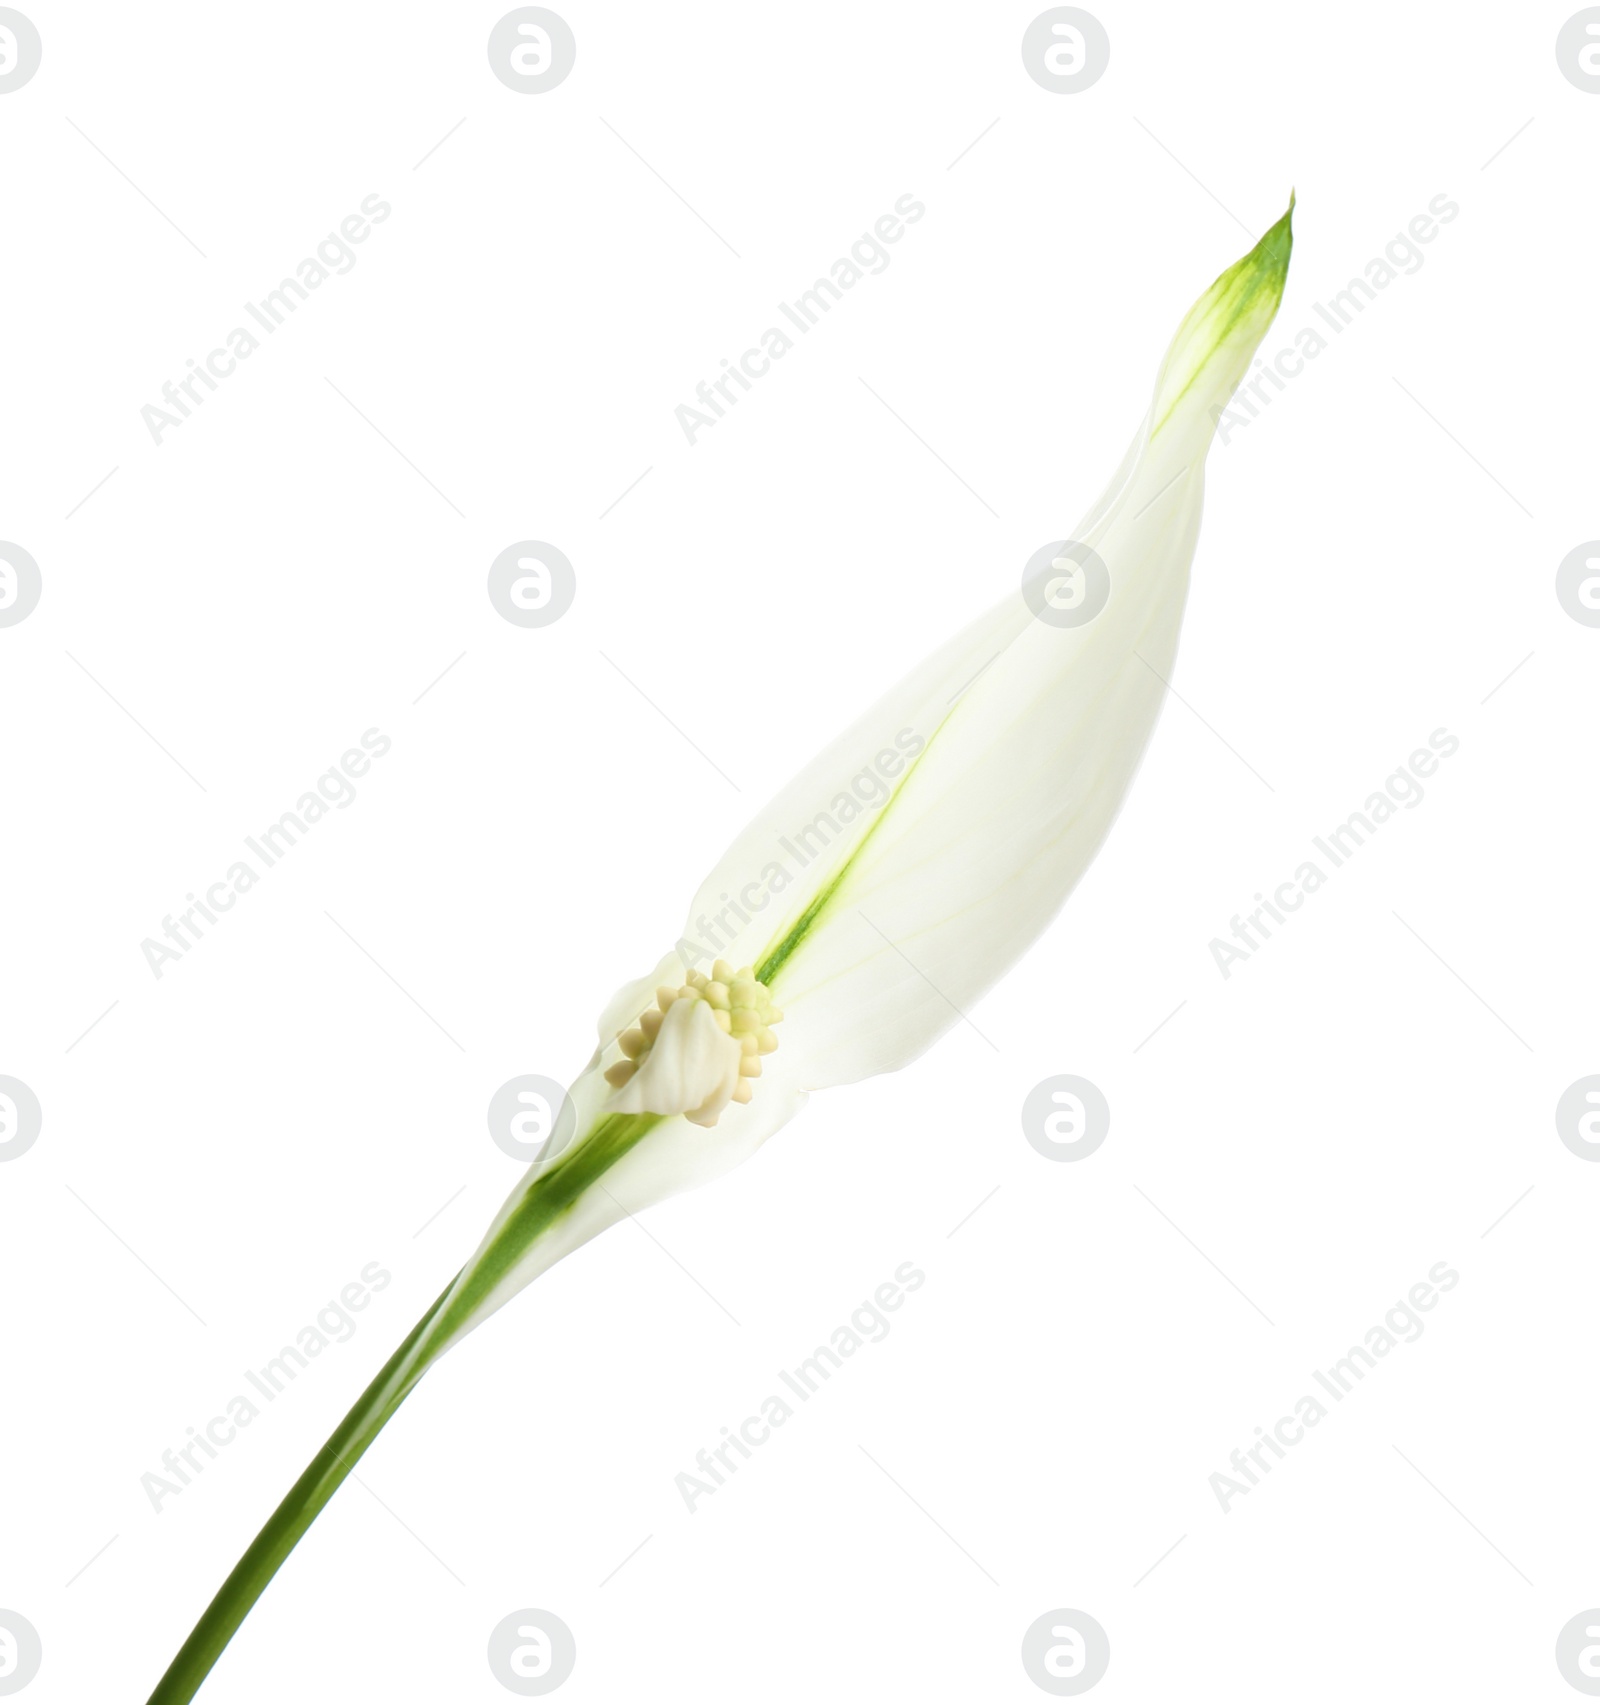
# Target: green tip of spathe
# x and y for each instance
(1267, 264)
(1271, 254)
(1223, 328)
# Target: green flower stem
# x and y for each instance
(547, 1200)
(293, 1516)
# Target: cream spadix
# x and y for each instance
(842, 932)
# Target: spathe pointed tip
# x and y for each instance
(1219, 335)
(1268, 261)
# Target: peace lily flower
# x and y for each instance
(871, 902)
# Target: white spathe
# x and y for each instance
(1012, 748)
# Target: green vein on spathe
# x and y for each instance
(549, 1197)
(776, 956)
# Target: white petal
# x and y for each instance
(900, 916)
(800, 835)
(997, 823)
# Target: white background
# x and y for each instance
(231, 1143)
